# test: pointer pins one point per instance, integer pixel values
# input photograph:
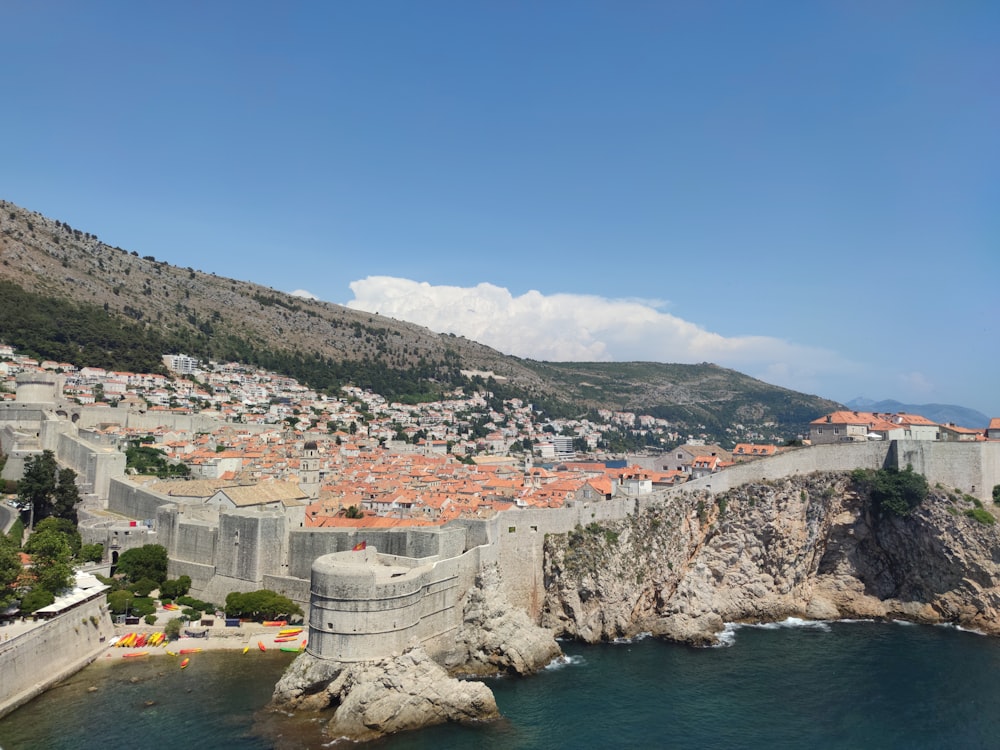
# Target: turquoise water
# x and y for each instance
(840, 685)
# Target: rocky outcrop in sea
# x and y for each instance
(807, 546)
(373, 699)
(367, 700)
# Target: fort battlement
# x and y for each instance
(365, 606)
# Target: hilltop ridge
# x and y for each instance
(56, 276)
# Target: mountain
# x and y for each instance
(940, 413)
(67, 296)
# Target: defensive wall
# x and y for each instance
(972, 468)
(365, 605)
(38, 658)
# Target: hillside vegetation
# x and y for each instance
(65, 295)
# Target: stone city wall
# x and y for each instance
(95, 465)
(973, 468)
(35, 660)
(133, 501)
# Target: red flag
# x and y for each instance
(359, 546)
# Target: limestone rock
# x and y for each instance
(803, 546)
(495, 637)
(374, 699)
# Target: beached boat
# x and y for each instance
(275, 623)
(135, 654)
(290, 631)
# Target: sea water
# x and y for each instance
(792, 685)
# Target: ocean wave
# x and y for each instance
(565, 661)
(728, 635)
(961, 629)
(633, 639)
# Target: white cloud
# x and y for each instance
(574, 327)
(303, 293)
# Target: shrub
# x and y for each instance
(173, 628)
(261, 605)
(142, 606)
(173, 588)
(996, 494)
(150, 619)
(892, 492)
(190, 601)
(119, 602)
(143, 587)
(981, 515)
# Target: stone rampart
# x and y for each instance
(363, 608)
(37, 659)
(95, 465)
(134, 501)
(305, 545)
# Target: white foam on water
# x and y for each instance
(565, 661)
(633, 639)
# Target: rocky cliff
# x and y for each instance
(812, 547)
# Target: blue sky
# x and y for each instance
(806, 192)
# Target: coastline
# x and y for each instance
(247, 636)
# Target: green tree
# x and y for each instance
(36, 599)
(65, 527)
(66, 495)
(92, 552)
(37, 486)
(10, 570)
(172, 588)
(50, 555)
(263, 604)
(143, 586)
(120, 602)
(148, 561)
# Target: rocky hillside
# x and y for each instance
(809, 547)
(68, 296)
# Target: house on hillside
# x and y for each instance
(841, 427)
(952, 433)
(993, 431)
(682, 457)
(748, 451)
(704, 466)
(859, 426)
